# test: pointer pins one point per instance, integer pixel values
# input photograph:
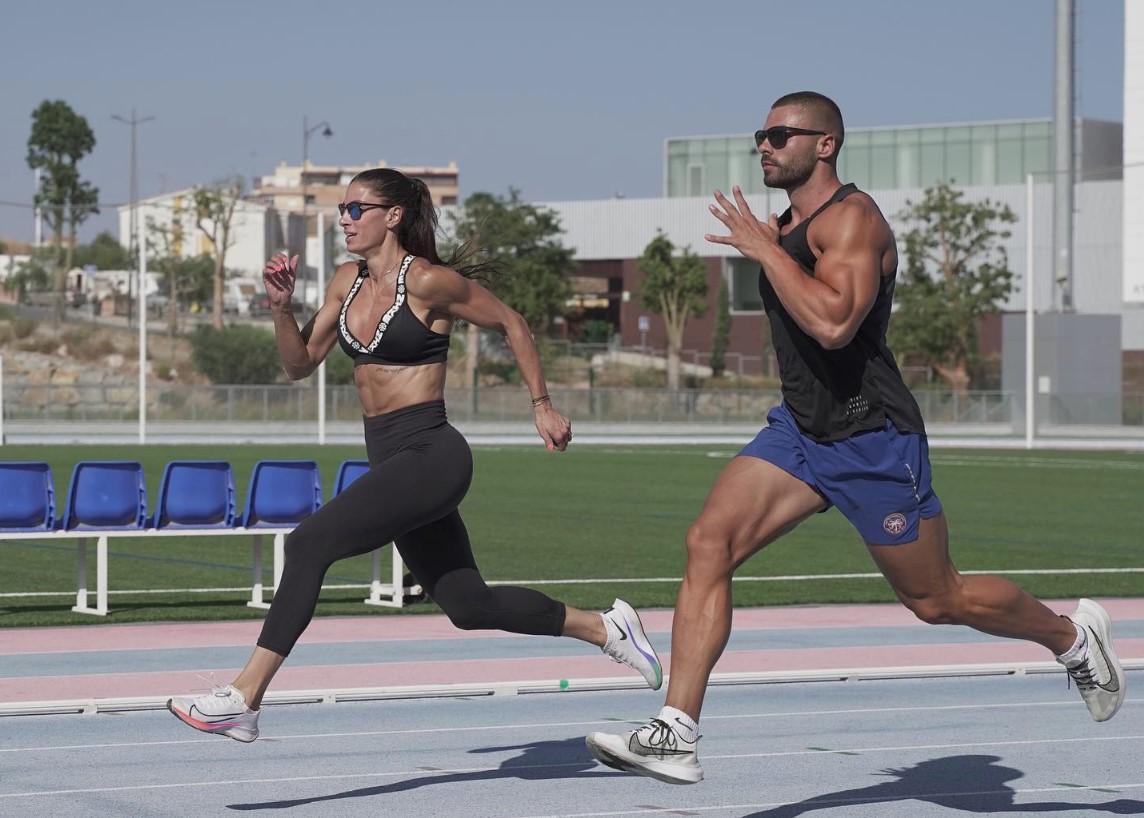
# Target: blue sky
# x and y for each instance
(563, 101)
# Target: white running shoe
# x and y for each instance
(223, 711)
(628, 644)
(654, 750)
(1096, 671)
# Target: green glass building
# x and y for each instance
(970, 154)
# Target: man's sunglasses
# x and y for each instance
(779, 135)
(355, 209)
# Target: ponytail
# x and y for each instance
(418, 229)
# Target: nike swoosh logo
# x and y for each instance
(218, 717)
(1113, 685)
(659, 751)
(619, 625)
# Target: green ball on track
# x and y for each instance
(563, 684)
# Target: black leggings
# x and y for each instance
(420, 469)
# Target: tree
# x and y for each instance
(722, 330)
(188, 279)
(956, 271)
(84, 203)
(59, 139)
(32, 275)
(214, 215)
(104, 252)
(532, 266)
(676, 289)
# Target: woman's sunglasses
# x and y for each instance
(779, 135)
(355, 209)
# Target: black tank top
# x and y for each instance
(835, 393)
(401, 338)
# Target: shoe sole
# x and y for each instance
(646, 768)
(1098, 620)
(646, 643)
(244, 736)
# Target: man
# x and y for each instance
(848, 433)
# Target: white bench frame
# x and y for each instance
(388, 595)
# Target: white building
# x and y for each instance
(168, 221)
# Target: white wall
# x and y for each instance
(252, 229)
(9, 264)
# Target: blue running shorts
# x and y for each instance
(879, 479)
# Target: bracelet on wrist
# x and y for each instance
(542, 399)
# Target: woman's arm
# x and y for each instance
(302, 349)
(446, 291)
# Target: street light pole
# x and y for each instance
(307, 129)
(38, 219)
(133, 226)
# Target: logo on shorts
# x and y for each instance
(894, 523)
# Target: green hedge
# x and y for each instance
(236, 355)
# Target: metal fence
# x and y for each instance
(299, 403)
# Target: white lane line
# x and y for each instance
(818, 803)
(1038, 463)
(801, 714)
(916, 747)
(515, 771)
(186, 784)
(811, 577)
(619, 581)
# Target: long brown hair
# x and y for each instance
(418, 229)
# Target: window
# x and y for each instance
(909, 166)
(957, 162)
(1010, 162)
(984, 162)
(677, 176)
(743, 167)
(715, 171)
(881, 167)
(933, 165)
(857, 164)
(694, 180)
(1038, 156)
(744, 281)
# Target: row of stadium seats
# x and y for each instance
(112, 495)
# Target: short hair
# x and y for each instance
(824, 108)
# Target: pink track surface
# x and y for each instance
(482, 671)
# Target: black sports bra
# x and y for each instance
(401, 338)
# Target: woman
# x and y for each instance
(392, 313)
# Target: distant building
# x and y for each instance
(906, 157)
(322, 186)
(257, 231)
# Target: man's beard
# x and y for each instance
(788, 176)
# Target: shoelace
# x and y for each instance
(216, 687)
(1084, 674)
(211, 683)
(660, 736)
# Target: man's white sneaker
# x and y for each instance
(1096, 671)
(627, 643)
(223, 711)
(655, 750)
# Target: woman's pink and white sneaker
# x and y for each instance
(221, 711)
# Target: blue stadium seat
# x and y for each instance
(349, 471)
(282, 493)
(106, 495)
(196, 494)
(27, 497)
